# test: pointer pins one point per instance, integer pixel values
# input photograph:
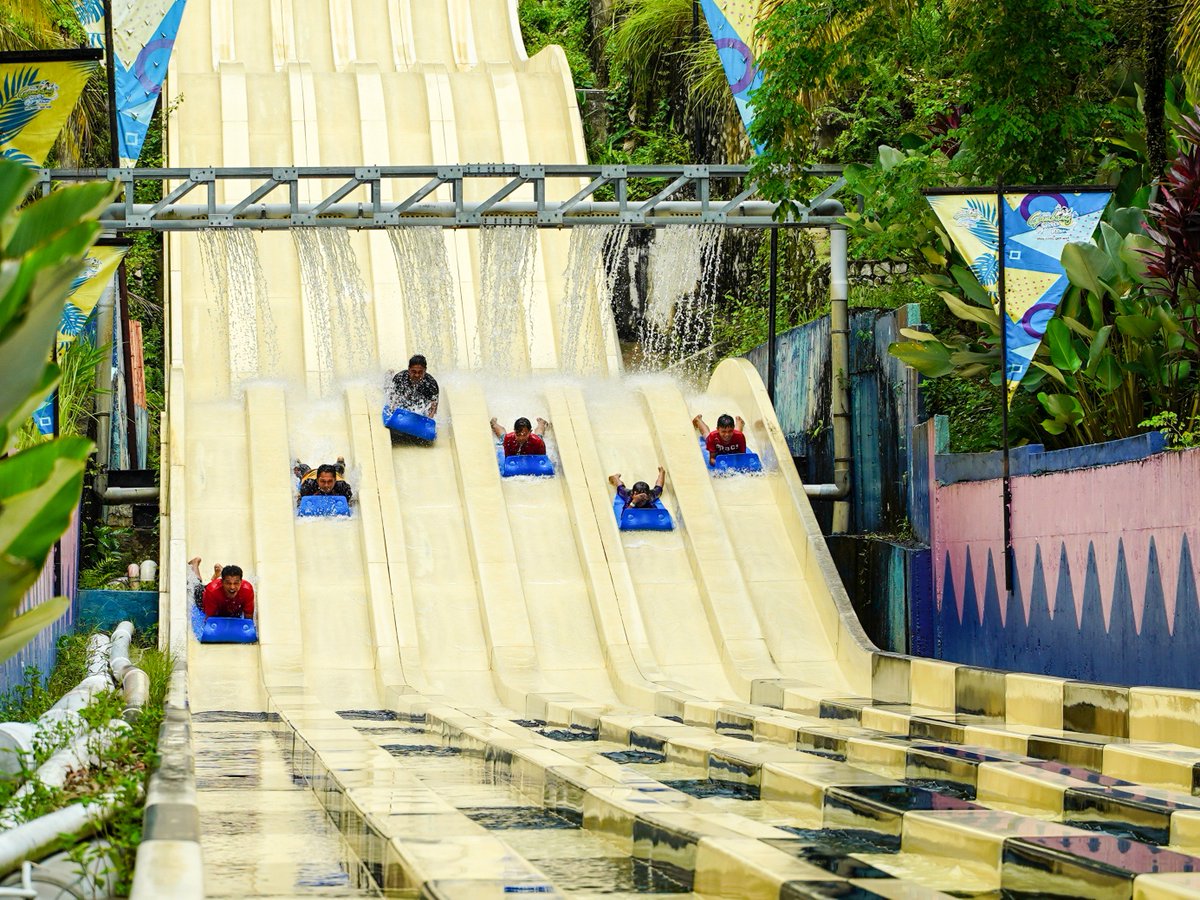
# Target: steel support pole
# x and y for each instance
(839, 352)
(772, 311)
(114, 155)
(1005, 476)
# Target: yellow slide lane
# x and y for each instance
(510, 598)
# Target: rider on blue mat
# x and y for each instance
(641, 495)
(226, 595)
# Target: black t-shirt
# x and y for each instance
(308, 488)
(415, 396)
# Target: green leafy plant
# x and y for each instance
(1178, 437)
(42, 245)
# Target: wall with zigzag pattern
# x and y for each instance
(1105, 560)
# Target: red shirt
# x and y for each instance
(217, 604)
(717, 447)
(533, 446)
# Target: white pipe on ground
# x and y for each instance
(60, 722)
(118, 653)
(97, 653)
(33, 839)
(82, 752)
(135, 685)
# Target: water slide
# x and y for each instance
(482, 611)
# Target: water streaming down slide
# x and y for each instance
(457, 601)
(449, 586)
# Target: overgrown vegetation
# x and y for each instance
(123, 766)
(42, 247)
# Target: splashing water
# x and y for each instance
(237, 289)
(333, 289)
(427, 291)
(586, 312)
(677, 326)
(506, 257)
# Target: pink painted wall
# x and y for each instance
(41, 651)
(1127, 502)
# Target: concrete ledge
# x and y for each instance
(1034, 459)
(168, 869)
(169, 860)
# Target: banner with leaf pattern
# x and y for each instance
(144, 36)
(1037, 226)
(732, 24)
(38, 91)
(99, 269)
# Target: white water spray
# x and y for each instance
(427, 292)
(586, 312)
(237, 288)
(506, 257)
(336, 301)
(677, 324)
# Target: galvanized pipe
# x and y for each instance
(446, 214)
(839, 361)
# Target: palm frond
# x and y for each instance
(644, 40)
(37, 24)
(52, 25)
(90, 11)
(1187, 42)
(15, 110)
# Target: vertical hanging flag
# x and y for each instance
(732, 25)
(144, 35)
(38, 91)
(99, 266)
(1037, 226)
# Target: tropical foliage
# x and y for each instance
(1123, 352)
(42, 245)
(54, 25)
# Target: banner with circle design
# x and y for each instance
(1037, 226)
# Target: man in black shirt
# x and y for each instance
(414, 389)
(326, 483)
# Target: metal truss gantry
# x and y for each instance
(253, 197)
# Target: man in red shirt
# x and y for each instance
(523, 440)
(227, 594)
(728, 437)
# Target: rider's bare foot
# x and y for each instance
(194, 562)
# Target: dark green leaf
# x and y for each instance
(33, 520)
(48, 217)
(1108, 373)
(1097, 348)
(1136, 326)
(1086, 266)
(970, 286)
(929, 358)
(1062, 350)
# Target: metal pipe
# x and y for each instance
(104, 394)
(771, 313)
(110, 74)
(839, 359)
(1005, 471)
(115, 214)
(127, 359)
(115, 496)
